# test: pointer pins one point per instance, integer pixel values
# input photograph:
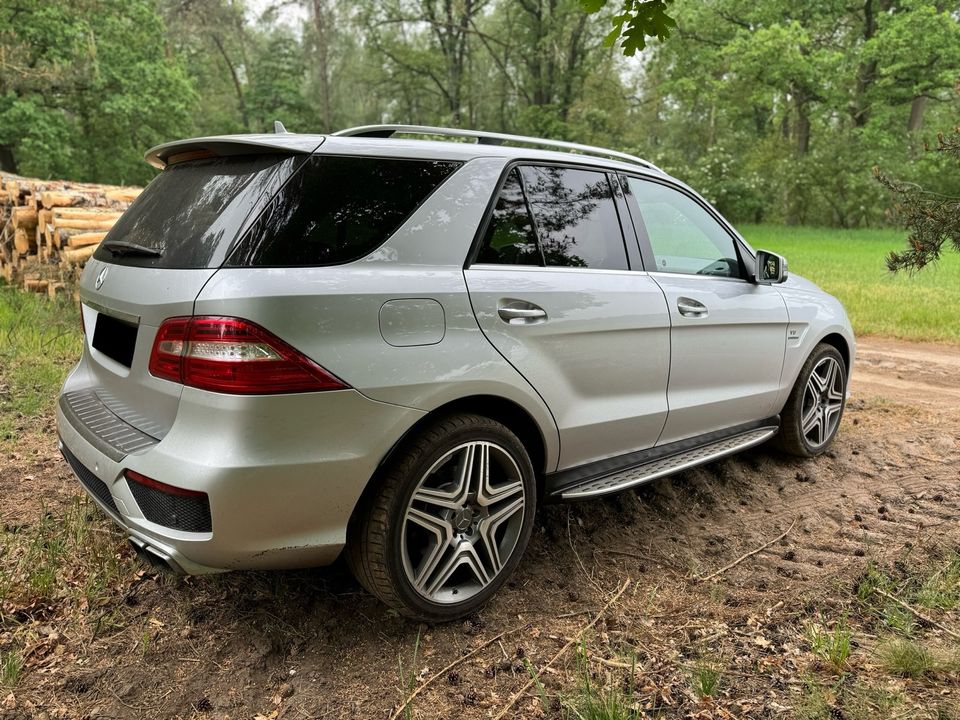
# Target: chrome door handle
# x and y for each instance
(689, 307)
(521, 313)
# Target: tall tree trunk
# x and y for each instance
(8, 161)
(867, 71)
(237, 85)
(917, 108)
(573, 61)
(321, 22)
(801, 128)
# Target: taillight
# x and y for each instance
(235, 356)
(163, 487)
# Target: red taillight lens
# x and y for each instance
(231, 355)
(162, 487)
(165, 360)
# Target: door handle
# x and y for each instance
(518, 312)
(689, 307)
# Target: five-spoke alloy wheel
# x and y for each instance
(812, 414)
(449, 521)
(822, 402)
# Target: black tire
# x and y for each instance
(792, 439)
(375, 536)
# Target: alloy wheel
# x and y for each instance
(822, 402)
(463, 522)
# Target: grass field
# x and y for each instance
(39, 342)
(850, 265)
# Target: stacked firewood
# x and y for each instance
(50, 228)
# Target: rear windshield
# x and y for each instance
(192, 212)
(337, 209)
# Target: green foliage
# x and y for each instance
(89, 87)
(408, 677)
(932, 217)
(850, 265)
(637, 20)
(776, 110)
(10, 665)
(612, 700)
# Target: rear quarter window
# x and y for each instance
(337, 209)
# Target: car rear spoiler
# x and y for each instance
(222, 145)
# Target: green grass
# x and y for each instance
(600, 701)
(10, 666)
(71, 555)
(831, 646)
(705, 680)
(408, 679)
(40, 341)
(907, 658)
(850, 265)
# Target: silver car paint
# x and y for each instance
(725, 365)
(284, 472)
(600, 359)
(814, 315)
(148, 296)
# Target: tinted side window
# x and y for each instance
(685, 238)
(337, 209)
(510, 239)
(575, 217)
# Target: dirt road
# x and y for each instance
(311, 644)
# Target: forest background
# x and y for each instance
(775, 110)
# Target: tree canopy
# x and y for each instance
(776, 110)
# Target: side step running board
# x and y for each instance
(682, 460)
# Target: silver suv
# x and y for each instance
(300, 344)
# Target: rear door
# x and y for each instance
(553, 290)
(728, 334)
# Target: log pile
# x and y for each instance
(50, 228)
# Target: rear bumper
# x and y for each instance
(282, 473)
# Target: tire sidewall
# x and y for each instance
(413, 472)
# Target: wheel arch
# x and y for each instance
(495, 407)
(839, 342)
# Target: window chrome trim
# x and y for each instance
(118, 314)
(551, 268)
(694, 276)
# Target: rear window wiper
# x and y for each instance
(120, 248)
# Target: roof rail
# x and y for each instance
(490, 138)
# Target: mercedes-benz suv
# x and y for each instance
(397, 348)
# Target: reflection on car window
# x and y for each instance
(684, 236)
(192, 211)
(510, 239)
(575, 217)
(337, 209)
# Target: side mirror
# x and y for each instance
(771, 268)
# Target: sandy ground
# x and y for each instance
(312, 644)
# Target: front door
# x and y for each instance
(553, 292)
(728, 334)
